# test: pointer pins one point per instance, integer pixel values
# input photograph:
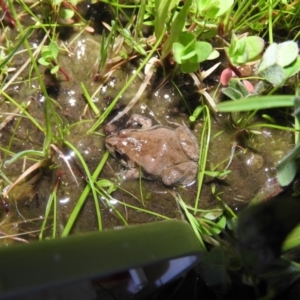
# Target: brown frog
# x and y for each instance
(161, 152)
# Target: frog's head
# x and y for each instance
(112, 144)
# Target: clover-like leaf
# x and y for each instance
(66, 14)
(189, 53)
(53, 48)
(189, 67)
(244, 49)
(269, 58)
(213, 8)
(287, 52)
(255, 45)
(203, 51)
(293, 68)
(279, 62)
(54, 70)
(274, 74)
(43, 61)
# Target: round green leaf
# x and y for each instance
(269, 58)
(287, 53)
(54, 70)
(189, 67)
(213, 55)
(286, 172)
(43, 62)
(66, 13)
(224, 6)
(293, 68)
(274, 74)
(255, 45)
(203, 50)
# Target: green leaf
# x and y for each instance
(66, 13)
(190, 55)
(162, 10)
(224, 7)
(203, 51)
(287, 52)
(46, 53)
(53, 49)
(187, 39)
(292, 69)
(189, 67)
(245, 49)
(288, 166)
(54, 70)
(177, 52)
(221, 223)
(275, 58)
(217, 173)
(213, 55)
(43, 62)
(213, 8)
(274, 74)
(176, 28)
(286, 172)
(213, 215)
(269, 58)
(232, 93)
(240, 59)
(237, 85)
(292, 240)
(255, 46)
(241, 47)
(253, 103)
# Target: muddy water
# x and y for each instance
(254, 156)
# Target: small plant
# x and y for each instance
(66, 9)
(188, 52)
(49, 59)
(213, 9)
(280, 62)
(244, 49)
(49, 56)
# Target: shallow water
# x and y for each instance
(253, 162)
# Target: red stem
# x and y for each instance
(6, 13)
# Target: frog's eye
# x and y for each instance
(120, 156)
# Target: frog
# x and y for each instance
(167, 153)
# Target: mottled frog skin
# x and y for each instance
(160, 152)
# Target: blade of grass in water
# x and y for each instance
(48, 133)
(46, 216)
(192, 220)
(89, 100)
(254, 103)
(52, 200)
(90, 186)
(204, 146)
(22, 107)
